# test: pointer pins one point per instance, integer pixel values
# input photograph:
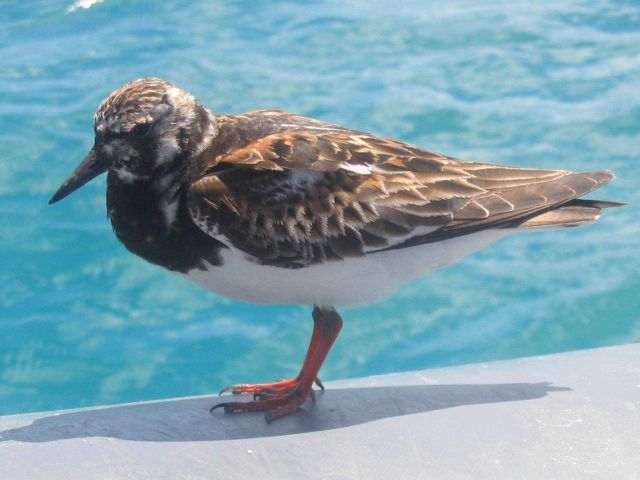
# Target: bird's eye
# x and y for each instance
(141, 129)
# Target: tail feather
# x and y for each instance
(572, 214)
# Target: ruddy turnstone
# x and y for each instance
(271, 207)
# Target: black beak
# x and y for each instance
(88, 169)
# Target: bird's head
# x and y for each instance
(142, 131)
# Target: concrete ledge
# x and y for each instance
(572, 415)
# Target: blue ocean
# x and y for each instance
(544, 84)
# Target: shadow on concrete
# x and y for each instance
(190, 420)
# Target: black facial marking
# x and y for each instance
(140, 225)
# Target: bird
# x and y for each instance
(276, 208)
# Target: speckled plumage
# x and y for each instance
(362, 193)
(273, 207)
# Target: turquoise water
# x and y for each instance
(83, 322)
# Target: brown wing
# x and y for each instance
(519, 197)
(315, 192)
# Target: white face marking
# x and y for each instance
(167, 150)
(126, 176)
(207, 137)
(167, 132)
(173, 92)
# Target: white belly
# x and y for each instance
(350, 282)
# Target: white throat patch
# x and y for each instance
(168, 148)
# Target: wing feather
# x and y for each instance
(308, 192)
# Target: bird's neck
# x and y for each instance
(137, 213)
(171, 163)
(203, 131)
(148, 210)
(142, 209)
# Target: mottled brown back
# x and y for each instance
(292, 191)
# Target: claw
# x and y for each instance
(285, 396)
(285, 384)
(277, 403)
(278, 398)
(219, 405)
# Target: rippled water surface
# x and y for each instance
(83, 322)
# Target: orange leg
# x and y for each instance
(284, 384)
(285, 396)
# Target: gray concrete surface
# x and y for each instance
(566, 416)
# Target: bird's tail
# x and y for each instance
(572, 214)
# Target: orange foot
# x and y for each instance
(259, 389)
(285, 396)
(278, 398)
